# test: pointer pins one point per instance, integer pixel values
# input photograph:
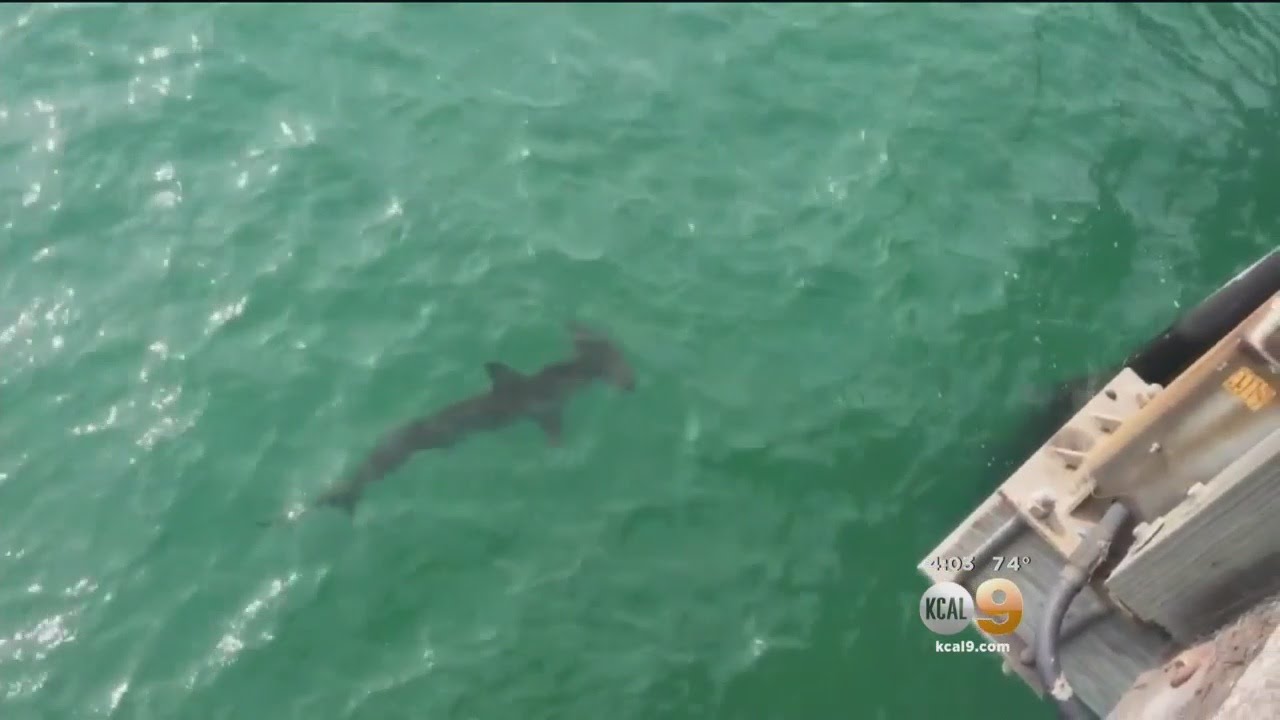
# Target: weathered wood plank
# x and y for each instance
(1214, 555)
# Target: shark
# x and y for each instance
(512, 397)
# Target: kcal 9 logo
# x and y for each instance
(948, 608)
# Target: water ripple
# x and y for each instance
(232, 262)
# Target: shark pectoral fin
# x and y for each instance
(550, 423)
(502, 374)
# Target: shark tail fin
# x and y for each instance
(344, 501)
(275, 521)
(343, 498)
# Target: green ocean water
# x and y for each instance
(845, 248)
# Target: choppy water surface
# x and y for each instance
(845, 247)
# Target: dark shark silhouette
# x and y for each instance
(512, 396)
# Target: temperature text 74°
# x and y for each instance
(1013, 563)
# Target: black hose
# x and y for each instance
(1093, 550)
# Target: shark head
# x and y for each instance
(599, 355)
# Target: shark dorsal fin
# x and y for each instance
(502, 375)
(582, 336)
